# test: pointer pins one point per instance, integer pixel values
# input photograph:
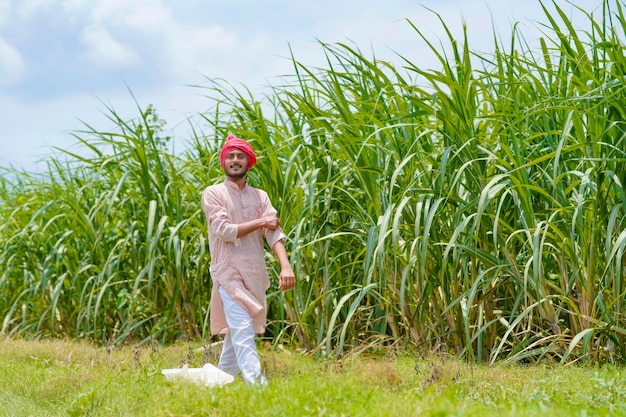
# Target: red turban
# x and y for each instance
(236, 143)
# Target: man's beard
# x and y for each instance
(236, 176)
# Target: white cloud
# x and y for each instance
(199, 45)
(124, 11)
(71, 6)
(11, 64)
(27, 8)
(149, 17)
(105, 51)
(110, 10)
(5, 9)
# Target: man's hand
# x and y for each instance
(287, 279)
(271, 222)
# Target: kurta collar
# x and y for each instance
(233, 184)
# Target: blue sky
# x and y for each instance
(64, 61)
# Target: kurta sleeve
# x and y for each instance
(218, 221)
(271, 236)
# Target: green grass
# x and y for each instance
(70, 378)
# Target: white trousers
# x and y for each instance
(239, 352)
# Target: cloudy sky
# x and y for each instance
(65, 61)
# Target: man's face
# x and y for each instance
(236, 164)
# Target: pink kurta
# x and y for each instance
(238, 264)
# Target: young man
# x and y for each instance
(238, 217)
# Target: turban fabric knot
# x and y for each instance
(233, 143)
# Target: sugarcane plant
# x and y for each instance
(477, 208)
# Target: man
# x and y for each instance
(238, 217)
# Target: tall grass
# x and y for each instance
(106, 246)
(478, 208)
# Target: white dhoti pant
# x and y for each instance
(239, 352)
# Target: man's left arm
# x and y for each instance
(286, 279)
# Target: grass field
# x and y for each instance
(71, 378)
